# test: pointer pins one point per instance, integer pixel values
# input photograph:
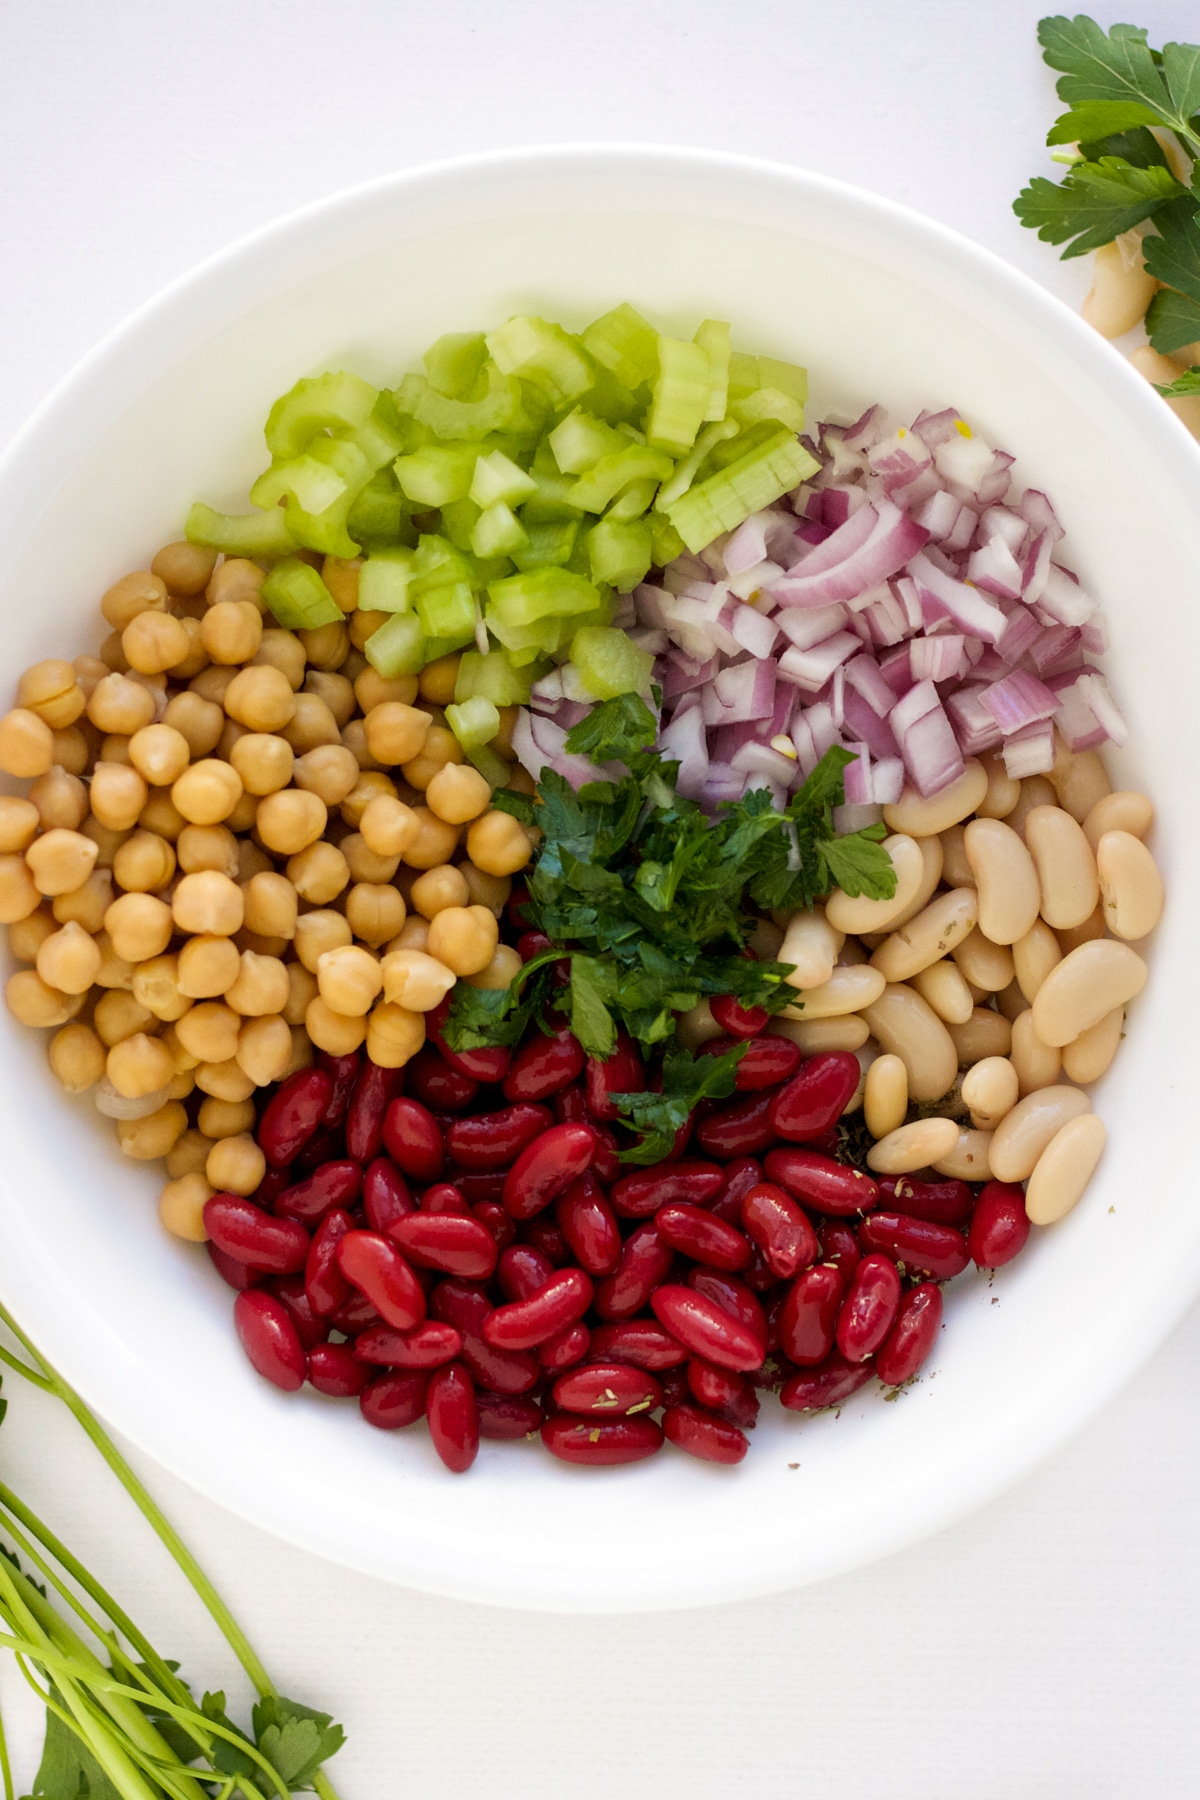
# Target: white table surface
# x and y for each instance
(1046, 1647)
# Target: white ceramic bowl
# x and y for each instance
(881, 305)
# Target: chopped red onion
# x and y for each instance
(1031, 751)
(1098, 695)
(965, 604)
(851, 564)
(994, 568)
(1064, 599)
(1034, 506)
(811, 669)
(887, 780)
(1018, 700)
(1080, 727)
(938, 658)
(685, 740)
(940, 513)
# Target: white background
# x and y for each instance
(1048, 1647)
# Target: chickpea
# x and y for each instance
(369, 786)
(115, 972)
(155, 642)
(121, 706)
(225, 1080)
(189, 1155)
(312, 724)
(501, 972)
(180, 1086)
(372, 689)
(50, 690)
(388, 827)
(161, 816)
(156, 1135)
(119, 1015)
(326, 647)
(209, 903)
(198, 721)
(77, 1058)
(219, 1119)
(265, 1048)
(236, 1165)
(354, 739)
(340, 576)
(160, 754)
(138, 926)
(336, 692)
(336, 1033)
(260, 698)
(498, 844)
(181, 1207)
(86, 905)
(363, 863)
(414, 980)
(208, 967)
(112, 655)
(196, 660)
(33, 1001)
(263, 761)
(438, 888)
(26, 743)
(317, 932)
(107, 842)
(69, 960)
(118, 795)
(133, 594)
(156, 987)
(412, 935)
(330, 772)
(61, 800)
(230, 735)
(394, 1035)
(60, 861)
(364, 625)
(283, 650)
(458, 794)
(271, 905)
(492, 891)
(209, 1031)
(291, 820)
(115, 749)
(207, 792)
(464, 938)
(19, 895)
(182, 1060)
(441, 750)
(236, 579)
(185, 568)
(88, 671)
(26, 936)
(396, 733)
(375, 912)
(252, 860)
(19, 824)
(302, 988)
(319, 873)
(139, 1065)
(437, 679)
(144, 863)
(435, 842)
(231, 631)
(202, 847)
(71, 751)
(349, 979)
(262, 986)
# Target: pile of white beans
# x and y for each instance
(1002, 964)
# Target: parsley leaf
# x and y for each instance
(1173, 255)
(481, 1017)
(295, 1739)
(591, 1022)
(1172, 320)
(856, 863)
(1096, 203)
(686, 1080)
(1110, 79)
(1183, 386)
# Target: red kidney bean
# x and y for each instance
(334, 1184)
(999, 1225)
(870, 1308)
(524, 1324)
(711, 1386)
(601, 1443)
(765, 1062)
(743, 1409)
(507, 1416)
(453, 1417)
(324, 1147)
(739, 1177)
(705, 1239)
(310, 1328)
(738, 1128)
(477, 1185)
(780, 1228)
(424, 1346)
(334, 1369)
(732, 1296)
(413, 1139)
(570, 1105)
(435, 1084)
(444, 1198)
(493, 1218)
(391, 1402)
(237, 1275)
(831, 1382)
(606, 1163)
(270, 1187)
(774, 1314)
(495, 1140)
(608, 1389)
(374, 1266)
(373, 1091)
(642, 1342)
(809, 1315)
(938, 1250)
(522, 1270)
(639, 1195)
(269, 1338)
(772, 1374)
(544, 1066)
(293, 1114)
(704, 1435)
(706, 1329)
(456, 1245)
(622, 1073)
(913, 1335)
(839, 1244)
(737, 1020)
(676, 1391)
(816, 1098)
(240, 1229)
(831, 1186)
(565, 1350)
(545, 1236)
(354, 1315)
(546, 1168)
(941, 1202)
(645, 1261)
(386, 1195)
(465, 1305)
(588, 1224)
(343, 1072)
(531, 944)
(481, 1065)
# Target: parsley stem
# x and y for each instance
(5, 1767)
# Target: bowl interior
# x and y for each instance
(881, 306)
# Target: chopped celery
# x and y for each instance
(446, 609)
(544, 354)
(550, 544)
(298, 598)
(610, 400)
(491, 676)
(743, 375)
(679, 396)
(527, 643)
(240, 534)
(498, 531)
(459, 519)
(689, 468)
(551, 501)
(323, 402)
(501, 406)
(789, 378)
(383, 581)
(378, 516)
(625, 344)
(733, 448)
(312, 484)
(632, 503)
(609, 664)
(438, 473)
(725, 499)
(665, 542)
(713, 338)
(436, 647)
(619, 553)
(601, 485)
(397, 648)
(498, 477)
(474, 722)
(580, 441)
(491, 765)
(453, 364)
(319, 487)
(540, 593)
(769, 403)
(382, 439)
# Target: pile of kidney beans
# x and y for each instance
(457, 1240)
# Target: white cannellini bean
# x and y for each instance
(1085, 1059)
(1064, 1169)
(1162, 372)
(1122, 811)
(812, 945)
(1131, 887)
(991, 1089)
(1038, 1065)
(1121, 291)
(846, 1032)
(913, 1146)
(970, 1157)
(985, 1033)
(1005, 878)
(1034, 956)
(942, 926)
(942, 986)
(956, 870)
(1086, 984)
(847, 990)
(985, 965)
(885, 1098)
(858, 915)
(1035, 791)
(1023, 1134)
(1003, 790)
(931, 856)
(907, 1027)
(1079, 779)
(1065, 864)
(697, 1026)
(919, 816)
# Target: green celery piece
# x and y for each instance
(312, 484)
(544, 354)
(541, 593)
(473, 722)
(713, 338)
(454, 363)
(610, 400)
(551, 542)
(319, 487)
(325, 531)
(525, 644)
(689, 468)
(438, 647)
(625, 344)
(551, 502)
(437, 474)
(665, 542)
(620, 553)
(601, 485)
(498, 531)
(330, 402)
(501, 407)
(240, 534)
(383, 581)
(498, 477)
(446, 609)
(769, 403)
(679, 396)
(789, 378)
(491, 765)
(635, 500)
(491, 676)
(743, 374)
(383, 438)
(378, 516)
(438, 561)
(579, 442)
(609, 664)
(459, 519)
(298, 598)
(601, 614)
(732, 449)
(397, 648)
(754, 480)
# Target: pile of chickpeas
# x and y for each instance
(239, 843)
